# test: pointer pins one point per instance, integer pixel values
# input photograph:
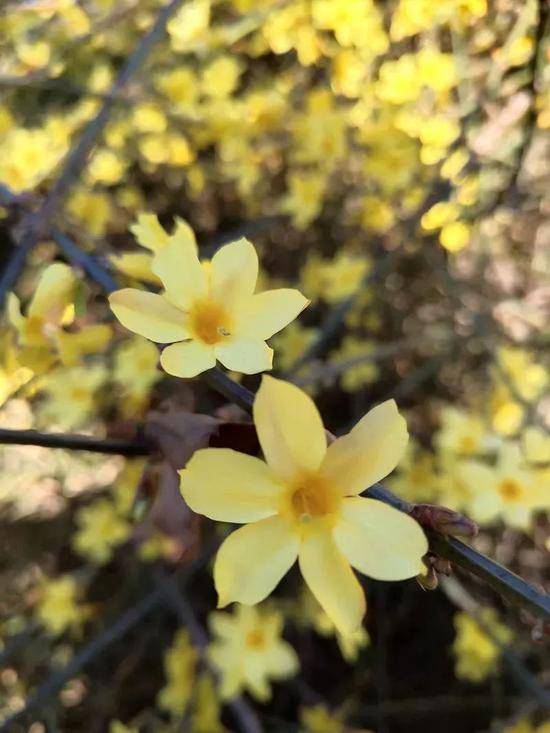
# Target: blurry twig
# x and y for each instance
(74, 442)
(87, 262)
(454, 590)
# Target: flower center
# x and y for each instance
(510, 489)
(467, 444)
(312, 497)
(255, 640)
(209, 322)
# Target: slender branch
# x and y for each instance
(510, 586)
(86, 261)
(74, 442)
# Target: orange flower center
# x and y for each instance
(467, 444)
(209, 322)
(510, 489)
(312, 497)
(255, 640)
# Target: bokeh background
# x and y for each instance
(388, 159)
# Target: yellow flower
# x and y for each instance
(350, 644)
(248, 651)
(318, 719)
(208, 311)
(535, 444)
(476, 653)
(41, 333)
(356, 376)
(455, 236)
(291, 344)
(115, 726)
(179, 667)
(58, 607)
(303, 504)
(70, 394)
(106, 167)
(101, 529)
(135, 371)
(460, 432)
(511, 489)
(221, 77)
(206, 713)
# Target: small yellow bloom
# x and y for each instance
(179, 667)
(135, 371)
(303, 504)
(511, 489)
(248, 651)
(41, 332)
(455, 236)
(70, 394)
(100, 530)
(58, 608)
(209, 311)
(476, 653)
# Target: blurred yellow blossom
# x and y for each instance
(476, 654)
(58, 608)
(100, 530)
(248, 651)
(179, 668)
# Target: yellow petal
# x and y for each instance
(136, 265)
(289, 428)
(185, 235)
(252, 561)
(369, 452)
(181, 273)
(149, 315)
(332, 581)
(89, 340)
(55, 291)
(229, 486)
(233, 272)
(187, 359)
(245, 355)
(13, 307)
(380, 541)
(149, 233)
(267, 313)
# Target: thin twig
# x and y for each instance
(75, 442)
(87, 262)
